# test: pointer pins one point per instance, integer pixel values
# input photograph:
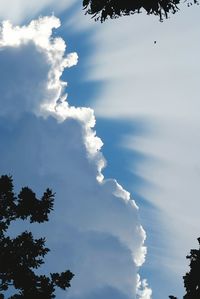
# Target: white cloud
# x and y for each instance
(34, 38)
(144, 291)
(95, 228)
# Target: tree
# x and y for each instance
(192, 278)
(104, 9)
(19, 256)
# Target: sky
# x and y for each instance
(118, 143)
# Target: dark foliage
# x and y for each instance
(21, 255)
(192, 278)
(104, 9)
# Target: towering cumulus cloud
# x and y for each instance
(94, 229)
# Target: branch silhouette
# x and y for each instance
(102, 10)
(21, 255)
(192, 278)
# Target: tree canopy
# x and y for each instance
(20, 256)
(104, 9)
(192, 278)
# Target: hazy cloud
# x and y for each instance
(23, 10)
(159, 84)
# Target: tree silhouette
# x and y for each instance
(19, 256)
(104, 9)
(192, 278)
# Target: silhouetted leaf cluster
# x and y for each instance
(192, 278)
(19, 256)
(104, 9)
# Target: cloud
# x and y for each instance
(45, 63)
(95, 228)
(23, 10)
(143, 290)
(158, 84)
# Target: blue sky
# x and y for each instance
(145, 100)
